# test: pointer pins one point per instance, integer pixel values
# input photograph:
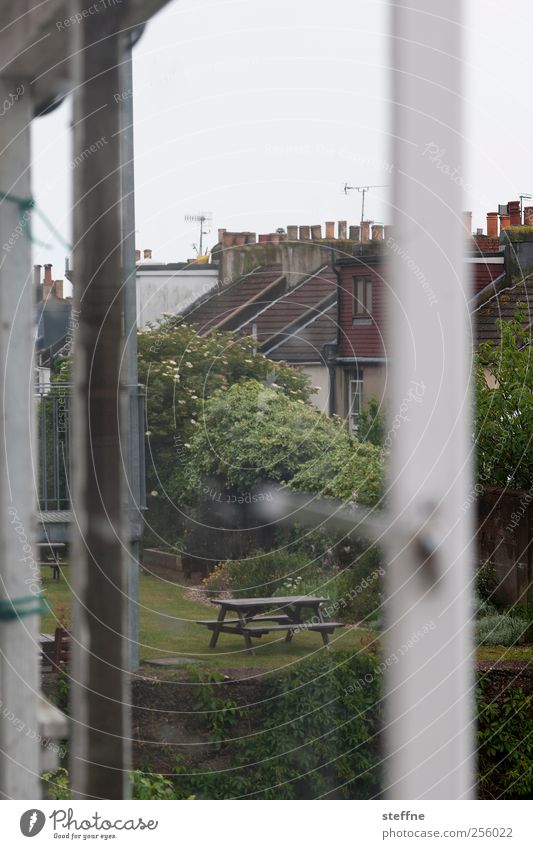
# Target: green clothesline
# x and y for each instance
(29, 205)
(16, 608)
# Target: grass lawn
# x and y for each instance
(168, 629)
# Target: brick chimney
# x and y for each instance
(492, 225)
(330, 229)
(48, 273)
(528, 216)
(515, 218)
(137, 255)
(292, 232)
(354, 232)
(342, 229)
(505, 221)
(365, 231)
(377, 233)
(305, 232)
(147, 253)
(316, 232)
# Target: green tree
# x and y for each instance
(181, 371)
(254, 432)
(371, 423)
(504, 407)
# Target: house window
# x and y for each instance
(355, 393)
(362, 297)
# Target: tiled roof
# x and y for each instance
(306, 343)
(499, 301)
(297, 321)
(303, 302)
(228, 307)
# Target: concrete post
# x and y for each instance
(101, 749)
(428, 634)
(130, 374)
(19, 571)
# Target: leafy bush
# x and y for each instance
(254, 432)
(221, 711)
(315, 735)
(502, 630)
(180, 371)
(483, 608)
(261, 574)
(486, 580)
(505, 744)
(144, 785)
(371, 423)
(359, 589)
(504, 409)
(354, 592)
(149, 785)
(56, 785)
(61, 694)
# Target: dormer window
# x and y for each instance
(362, 297)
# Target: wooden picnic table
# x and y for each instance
(51, 552)
(253, 616)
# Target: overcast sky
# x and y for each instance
(259, 111)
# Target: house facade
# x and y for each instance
(361, 371)
(317, 299)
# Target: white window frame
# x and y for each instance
(353, 414)
(362, 294)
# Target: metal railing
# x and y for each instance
(54, 404)
(53, 439)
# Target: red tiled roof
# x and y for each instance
(293, 320)
(500, 302)
(311, 296)
(306, 343)
(225, 308)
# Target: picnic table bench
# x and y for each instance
(49, 554)
(55, 648)
(254, 615)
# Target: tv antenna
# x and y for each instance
(523, 198)
(202, 218)
(362, 190)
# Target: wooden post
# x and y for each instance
(101, 737)
(19, 571)
(428, 647)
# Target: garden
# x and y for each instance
(227, 429)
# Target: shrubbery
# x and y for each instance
(253, 432)
(505, 744)
(316, 736)
(354, 591)
(504, 629)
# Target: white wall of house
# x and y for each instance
(319, 377)
(169, 291)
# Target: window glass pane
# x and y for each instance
(368, 300)
(362, 296)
